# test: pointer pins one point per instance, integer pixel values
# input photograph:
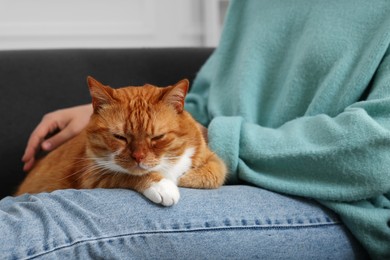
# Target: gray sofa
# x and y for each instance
(34, 82)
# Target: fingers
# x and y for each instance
(36, 137)
(28, 164)
(58, 139)
(35, 142)
(69, 121)
(46, 126)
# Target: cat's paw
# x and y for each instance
(164, 192)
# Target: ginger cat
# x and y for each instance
(139, 138)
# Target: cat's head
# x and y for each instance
(137, 129)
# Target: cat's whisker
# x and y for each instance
(172, 157)
(85, 169)
(75, 173)
(95, 169)
(80, 171)
(165, 168)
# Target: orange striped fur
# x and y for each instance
(139, 138)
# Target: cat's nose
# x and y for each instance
(138, 156)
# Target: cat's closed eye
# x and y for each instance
(120, 137)
(158, 137)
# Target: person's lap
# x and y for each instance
(240, 222)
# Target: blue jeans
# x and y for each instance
(237, 222)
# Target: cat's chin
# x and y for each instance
(139, 170)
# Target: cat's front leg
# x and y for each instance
(153, 186)
(164, 192)
(159, 189)
(210, 174)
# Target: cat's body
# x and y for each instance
(138, 138)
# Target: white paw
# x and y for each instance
(164, 192)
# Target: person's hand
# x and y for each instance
(69, 122)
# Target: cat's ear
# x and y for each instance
(176, 94)
(101, 95)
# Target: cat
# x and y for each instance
(139, 138)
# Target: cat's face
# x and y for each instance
(136, 130)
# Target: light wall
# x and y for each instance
(43, 24)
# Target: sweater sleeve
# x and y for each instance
(341, 158)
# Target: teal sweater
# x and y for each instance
(297, 100)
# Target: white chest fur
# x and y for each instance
(173, 170)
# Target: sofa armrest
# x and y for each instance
(34, 82)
